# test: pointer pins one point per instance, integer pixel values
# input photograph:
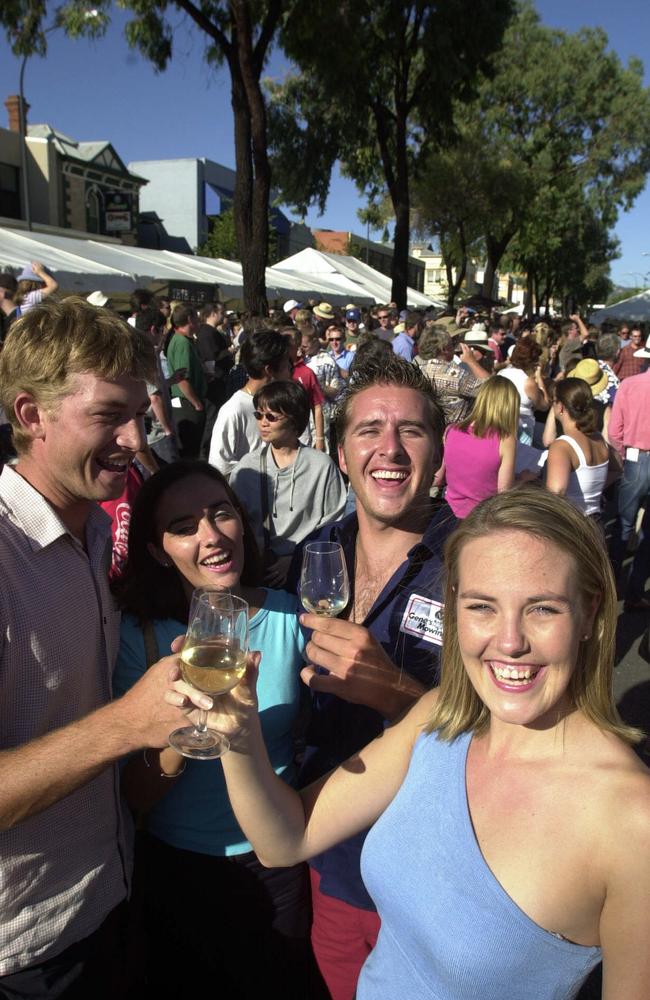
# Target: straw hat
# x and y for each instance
(590, 372)
(324, 311)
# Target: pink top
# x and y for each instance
(629, 423)
(471, 468)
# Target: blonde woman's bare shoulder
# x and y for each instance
(623, 799)
(417, 716)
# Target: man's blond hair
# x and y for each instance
(53, 342)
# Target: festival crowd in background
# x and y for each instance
(486, 481)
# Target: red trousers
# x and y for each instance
(342, 937)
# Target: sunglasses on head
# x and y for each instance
(271, 417)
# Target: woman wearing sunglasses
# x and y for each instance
(274, 482)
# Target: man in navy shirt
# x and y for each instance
(383, 651)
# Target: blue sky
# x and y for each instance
(103, 90)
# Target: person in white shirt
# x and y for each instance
(265, 357)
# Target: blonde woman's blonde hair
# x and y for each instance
(495, 410)
(552, 519)
(52, 343)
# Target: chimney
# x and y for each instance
(12, 104)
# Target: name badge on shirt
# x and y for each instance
(423, 618)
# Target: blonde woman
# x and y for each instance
(480, 451)
(509, 852)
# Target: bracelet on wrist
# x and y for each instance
(163, 774)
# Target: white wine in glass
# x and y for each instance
(324, 584)
(213, 660)
(213, 666)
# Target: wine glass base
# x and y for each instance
(198, 746)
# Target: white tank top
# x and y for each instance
(587, 482)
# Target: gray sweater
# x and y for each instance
(301, 498)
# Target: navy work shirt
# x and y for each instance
(406, 619)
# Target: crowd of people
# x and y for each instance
(431, 794)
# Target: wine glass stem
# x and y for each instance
(201, 727)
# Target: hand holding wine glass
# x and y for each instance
(213, 660)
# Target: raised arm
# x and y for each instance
(285, 826)
(50, 283)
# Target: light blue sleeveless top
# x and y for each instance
(449, 931)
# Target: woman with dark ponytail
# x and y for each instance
(580, 463)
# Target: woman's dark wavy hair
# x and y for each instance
(151, 591)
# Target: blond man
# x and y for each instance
(73, 385)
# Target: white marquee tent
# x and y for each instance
(349, 273)
(84, 265)
(634, 309)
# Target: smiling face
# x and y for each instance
(390, 453)
(519, 630)
(335, 338)
(200, 532)
(83, 447)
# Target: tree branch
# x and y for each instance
(269, 25)
(203, 22)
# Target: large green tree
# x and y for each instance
(567, 117)
(459, 195)
(237, 33)
(377, 84)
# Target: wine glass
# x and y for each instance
(213, 659)
(324, 584)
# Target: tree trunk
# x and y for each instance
(528, 302)
(401, 253)
(495, 251)
(254, 237)
(397, 181)
(453, 287)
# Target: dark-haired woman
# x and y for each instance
(580, 463)
(215, 918)
(274, 482)
(526, 375)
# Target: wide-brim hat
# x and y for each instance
(324, 311)
(97, 299)
(590, 372)
(643, 352)
(478, 338)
